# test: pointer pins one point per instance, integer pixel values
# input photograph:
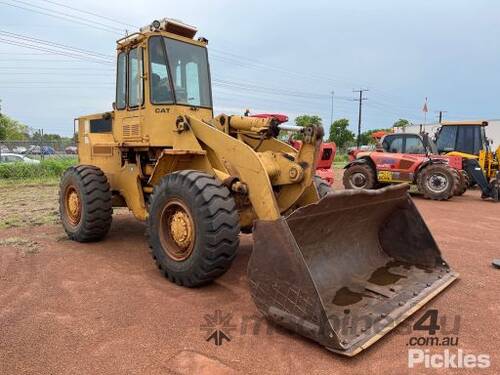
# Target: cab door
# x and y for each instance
(410, 159)
(129, 105)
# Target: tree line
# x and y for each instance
(13, 130)
(340, 133)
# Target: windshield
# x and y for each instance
(463, 138)
(188, 75)
(446, 139)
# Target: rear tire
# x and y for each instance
(359, 176)
(461, 182)
(322, 186)
(436, 182)
(193, 228)
(85, 204)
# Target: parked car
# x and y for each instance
(16, 158)
(35, 150)
(71, 150)
(47, 150)
(19, 150)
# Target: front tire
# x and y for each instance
(436, 182)
(359, 176)
(193, 228)
(85, 205)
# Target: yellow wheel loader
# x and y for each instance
(342, 269)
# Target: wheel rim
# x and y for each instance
(177, 230)
(73, 205)
(358, 180)
(437, 182)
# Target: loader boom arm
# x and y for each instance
(260, 171)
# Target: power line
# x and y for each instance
(241, 60)
(61, 51)
(44, 68)
(224, 56)
(64, 16)
(90, 13)
(54, 44)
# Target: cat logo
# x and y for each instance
(162, 110)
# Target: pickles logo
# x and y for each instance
(218, 327)
(451, 356)
(447, 359)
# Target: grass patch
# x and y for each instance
(18, 207)
(341, 158)
(44, 181)
(46, 170)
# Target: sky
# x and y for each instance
(273, 56)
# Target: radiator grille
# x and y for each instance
(131, 132)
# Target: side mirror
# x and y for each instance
(114, 106)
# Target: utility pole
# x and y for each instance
(331, 113)
(440, 114)
(360, 100)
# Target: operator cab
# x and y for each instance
(465, 136)
(403, 144)
(175, 70)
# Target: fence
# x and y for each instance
(39, 149)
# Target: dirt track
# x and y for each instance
(73, 308)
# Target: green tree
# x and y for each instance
(306, 120)
(47, 137)
(401, 123)
(340, 134)
(12, 130)
(3, 131)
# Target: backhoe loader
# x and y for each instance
(342, 270)
(467, 139)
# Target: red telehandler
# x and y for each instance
(324, 171)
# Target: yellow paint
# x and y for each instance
(150, 141)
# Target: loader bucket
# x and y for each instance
(348, 269)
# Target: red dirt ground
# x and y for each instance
(103, 308)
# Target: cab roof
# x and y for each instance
(167, 27)
(470, 122)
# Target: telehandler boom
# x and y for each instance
(342, 270)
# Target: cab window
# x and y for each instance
(121, 81)
(469, 139)
(135, 73)
(414, 145)
(393, 144)
(447, 138)
(160, 88)
(190, 73)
